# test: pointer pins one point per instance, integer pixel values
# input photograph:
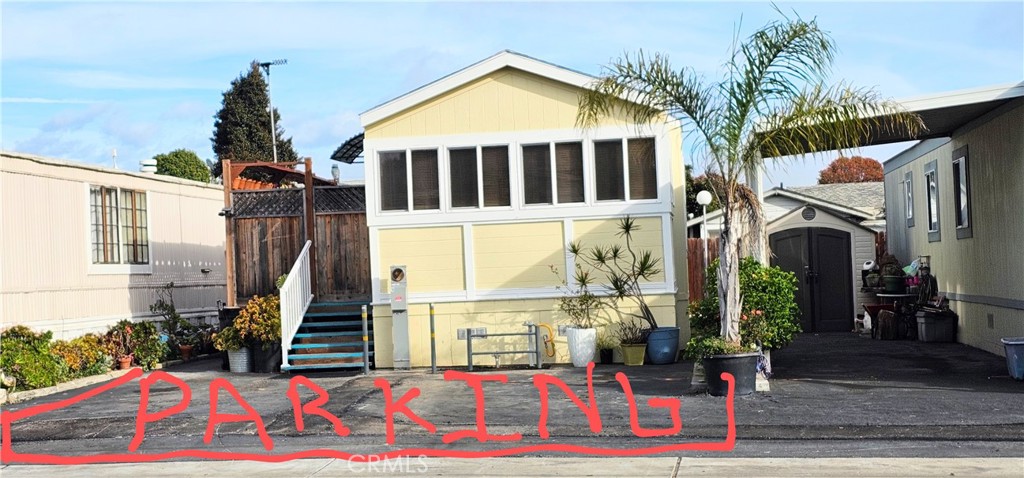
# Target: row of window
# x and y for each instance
(120, 232)
(552, 173)
(961, 196)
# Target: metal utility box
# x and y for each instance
(400, 317)
(399, 301)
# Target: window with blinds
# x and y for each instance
(643, 177)
(495, 173)
(608, 177)
(537, 174)
(462, 173)
(394, 193)
(425, 195)
(569, 172)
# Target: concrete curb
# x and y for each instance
(61, 387)
(15, 397)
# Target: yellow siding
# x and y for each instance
(505, 100)
(518, 255)
(433, 257)
(497, 316)
(604, 233)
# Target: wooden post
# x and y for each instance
(311, 225)
(229, 234)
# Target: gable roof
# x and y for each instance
(503, 59)
(861, 200)
(869, 195)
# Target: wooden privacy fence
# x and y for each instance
(695, 258)
(269, 231)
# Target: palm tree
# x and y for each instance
(772, 102)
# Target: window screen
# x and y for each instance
(569, 172)
(495, 173)
(462, 169)
(424, 180)
(394, 195)
(537, 174)
(643, 178)
(608, 170)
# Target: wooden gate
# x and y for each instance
(267, 230)
(695, 258)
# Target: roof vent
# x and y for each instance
(147, 166)
(809, 213)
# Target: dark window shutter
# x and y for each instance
(495, 173)
(643, 178)
(608, 170)
(393, 193)
(424, 180)
(462, 168)
(537, 174)
(569, 172)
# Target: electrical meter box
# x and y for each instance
(399, 301)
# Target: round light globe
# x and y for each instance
(704, 198)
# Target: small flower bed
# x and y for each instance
(30, 359)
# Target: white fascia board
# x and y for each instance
(494, 63)
(963, 97)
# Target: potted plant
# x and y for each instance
(892, 274)
(580, 306)
(259, 325)
(118, 343)
(230, 341)
(626, 269)
(769, 319)
(633, 337)
(717, 356)
(606, 343)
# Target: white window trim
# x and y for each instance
(960, 173)
(518, 209)
(116, 269)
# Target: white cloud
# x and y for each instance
(93, 79)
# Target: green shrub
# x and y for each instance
(260, 321)
(26, 355)
(701, 347)
(137, 339)
(228, 339)
(83, 356)
(182, 163)
(770, 315)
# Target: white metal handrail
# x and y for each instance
(296, 295)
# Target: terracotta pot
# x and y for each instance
(124, 363)
(186, 351)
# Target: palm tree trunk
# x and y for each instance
(729, 280)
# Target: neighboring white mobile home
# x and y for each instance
(956, 197)
(85, 246)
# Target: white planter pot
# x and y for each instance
(582, 345)
(239, 361)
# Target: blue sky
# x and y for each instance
(78, 80)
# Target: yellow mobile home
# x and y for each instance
(477, 182)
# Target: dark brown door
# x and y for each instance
(820, 259)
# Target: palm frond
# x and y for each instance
(831, 118)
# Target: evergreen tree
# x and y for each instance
(241, 130)
(182, 163)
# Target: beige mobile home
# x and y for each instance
(477, 182)
(85, 246)
(956, 197)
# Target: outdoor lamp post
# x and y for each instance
(704, 198)
(336, 173)
(273, 128)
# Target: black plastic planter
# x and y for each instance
(266, 361)
(743, 368)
